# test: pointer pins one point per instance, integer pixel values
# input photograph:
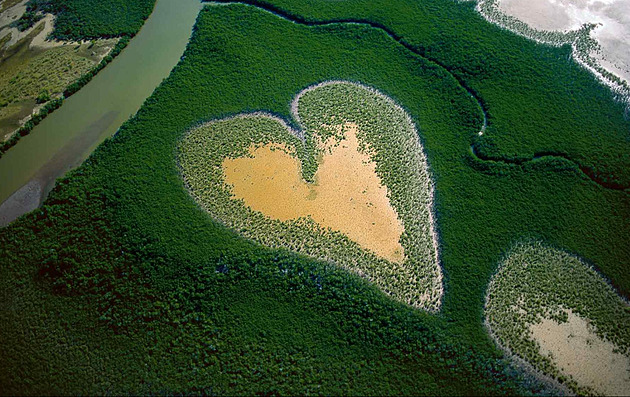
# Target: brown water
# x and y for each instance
(65, 138)
(347, 195)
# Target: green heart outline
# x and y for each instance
(401, 165)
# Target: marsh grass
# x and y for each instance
(26, 73)
(385, 131)
(536, 283)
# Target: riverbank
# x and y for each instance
(65, 138)
(39, 73)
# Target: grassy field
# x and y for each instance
(29, 73)
(37, 75)
(32, 74)
(145, 292)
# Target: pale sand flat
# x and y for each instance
(612, 34)
(24, 200)
(578, 352)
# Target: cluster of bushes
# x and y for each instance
(89, 19)
(252, 322)
(27, 20)
(83, 80)
(535, 282)
(26, 129)
(384, 127)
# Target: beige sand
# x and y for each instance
(6, 4)
(613, 32)
(40, 41)
(347, 195)
(10, 15)
(580, 353)
(11, 12)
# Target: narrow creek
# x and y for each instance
(65, 138)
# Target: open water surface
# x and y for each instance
(64, 139)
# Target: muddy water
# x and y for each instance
(65, 138)
(347, 195)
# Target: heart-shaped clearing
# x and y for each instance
(351, 186)
(347, 195)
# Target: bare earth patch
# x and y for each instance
(580, 353)
(597, 30)
(347, 195)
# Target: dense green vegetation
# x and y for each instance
(538, 100)
(319, 110)
(536, 282)
(89, 19)
(137, 289)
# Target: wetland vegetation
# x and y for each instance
(535, 284)
(385, 132)
(36, 71)
(89, 19)
(138, 290)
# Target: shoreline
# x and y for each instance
(25, 199)
(62, 142)
(582, 44)
(41, 42)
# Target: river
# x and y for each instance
(64, 139)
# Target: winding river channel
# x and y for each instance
(65, 139)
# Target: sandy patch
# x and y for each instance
(579, 352)
(24, 200)
(611, 16)
(363, 205)
(40, 41)
(558, 315)
(11, 12)
(347, 195)
(6, 4)
(11, 15)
